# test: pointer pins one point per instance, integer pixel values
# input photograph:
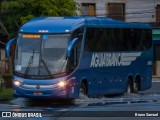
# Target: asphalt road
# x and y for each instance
(142, 106)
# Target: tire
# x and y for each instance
(83, 91)
(135, 88)
(129, 88)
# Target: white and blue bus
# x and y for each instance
(63, 57)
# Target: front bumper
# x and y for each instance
(40, 93)
(54, 88)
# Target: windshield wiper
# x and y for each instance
(46, 67)
(30, 62)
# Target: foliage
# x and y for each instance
(6, 94)
(14, 13)
(8, 80)
(26, 18)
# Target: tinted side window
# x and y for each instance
(92, 38)
(148, 39)
(138, 39)
(104, 39)
(117, 39)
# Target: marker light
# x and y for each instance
(17, 83)
(43, 31)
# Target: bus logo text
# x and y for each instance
(113, 59)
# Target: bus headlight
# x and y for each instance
(17, 83)
(61, 83)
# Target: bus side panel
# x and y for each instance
(146, 84)
(103, 80)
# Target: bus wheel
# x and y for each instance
(129, 87)
(135, 88)
(83, 91)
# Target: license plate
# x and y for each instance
(38, 93)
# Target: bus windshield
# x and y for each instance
(41, 55)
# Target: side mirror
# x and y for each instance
(70, 47)
(8, 45)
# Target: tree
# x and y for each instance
(4, 28)
(14, 13)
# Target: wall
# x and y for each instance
(136, 10)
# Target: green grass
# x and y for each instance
(6, 93)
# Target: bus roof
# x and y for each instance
(68, 24)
